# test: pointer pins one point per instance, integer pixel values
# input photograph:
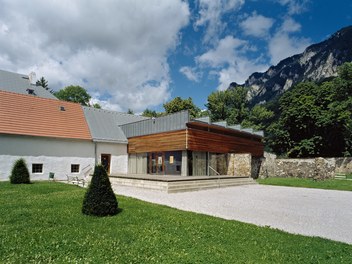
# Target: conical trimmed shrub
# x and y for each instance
(20, 173)
(100, 199)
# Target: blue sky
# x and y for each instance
(137, 54)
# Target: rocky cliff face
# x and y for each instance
(316, 63)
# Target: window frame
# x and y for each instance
(74, 171)
(37, 168)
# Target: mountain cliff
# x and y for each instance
(317, 63)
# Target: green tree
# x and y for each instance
(96, 105)
(230, 105)
(150, 113)
(315, 119)
(259, 118)
(43, 83)
(19, 173)
(75, 94)
(130, 111)
(100, 199)
(179, 104)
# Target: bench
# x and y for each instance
(340, 176)
(76, 180)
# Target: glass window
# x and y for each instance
(173, 162)
(37, 168)
(74, 168)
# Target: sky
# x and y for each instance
(138, 54)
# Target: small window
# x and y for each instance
(37, 168)
(74, 168)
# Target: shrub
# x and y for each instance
(100, 199)
(20, 173)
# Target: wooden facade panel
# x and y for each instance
(168, 141)
(198, 140)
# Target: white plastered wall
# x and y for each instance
(119, 156)
(56, 155)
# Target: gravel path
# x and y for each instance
(310, 212)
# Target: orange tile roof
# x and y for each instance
(35, 116)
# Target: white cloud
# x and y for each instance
(228, 61)
(290, 26)
(257, 25)
(210, 15)
(295, 6)
(190, 73)
(283, 44)
(224, 53)
(116, 48)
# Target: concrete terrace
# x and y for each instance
(176, 183)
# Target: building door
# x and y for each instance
(105, 161)
(156, 162)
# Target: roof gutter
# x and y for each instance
(102, 140)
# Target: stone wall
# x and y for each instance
(344, 165)
(316, 168)
(242, 165)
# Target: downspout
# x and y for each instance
(95, 153)
(207, 159)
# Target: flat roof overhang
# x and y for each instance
(223, 130)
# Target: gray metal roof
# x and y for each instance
(19, 83)
(104, 125)
(176, 121)
(204, 119)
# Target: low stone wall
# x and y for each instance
(239, 165)
(244, 165)
(316, 168)
(344, 165)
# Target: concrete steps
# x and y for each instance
(184, 185)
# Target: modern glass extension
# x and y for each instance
(185, 163)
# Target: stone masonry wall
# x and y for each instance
(316, 168)
(242, 165)
(344, 165)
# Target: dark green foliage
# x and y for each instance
(178, 104)
(20, 173)
(315, 119)
(230, 105)
(100, 199)
(75, 94)
(258, 118)
(311, 119)
(43, 83)
(151, 113)
(96, 105)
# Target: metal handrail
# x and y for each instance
(210, 167)
(87, 167)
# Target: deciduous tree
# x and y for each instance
(74, 93)
(230, 105)
(179, 104)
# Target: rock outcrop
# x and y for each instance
(317, 63)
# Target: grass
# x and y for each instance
(341, 185)
(42, 223)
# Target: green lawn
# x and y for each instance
(342, 185)
(42, 223)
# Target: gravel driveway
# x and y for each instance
(310, 212)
